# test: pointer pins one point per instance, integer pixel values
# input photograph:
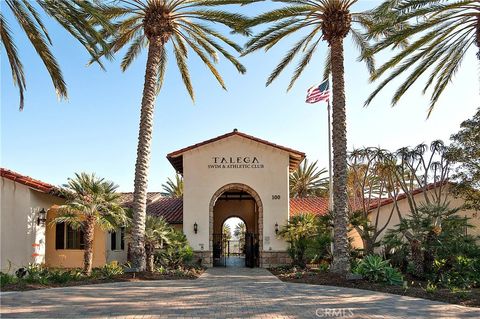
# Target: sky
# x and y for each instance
(96, 130)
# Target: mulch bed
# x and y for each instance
(416, 288)
(130, 277)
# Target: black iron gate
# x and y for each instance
(219, 244)
(251, 250)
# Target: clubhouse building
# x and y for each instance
(232, 175)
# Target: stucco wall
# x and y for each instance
(72, 258)
(201, 182)
(384, 213)
(22, 240)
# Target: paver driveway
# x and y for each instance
(222, 293)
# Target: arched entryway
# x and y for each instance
(234, 231)
(236, 200)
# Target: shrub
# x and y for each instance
(36, 274)
(111, 269)
(59, 276)
(6, 279)
(458, 272)
(375, 269)
(177, 253)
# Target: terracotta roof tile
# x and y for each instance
(315, 205)
(170, 208)
(176, 158)
(27, 181)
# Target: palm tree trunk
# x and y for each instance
(341, 262)
(143, 154)
(149, 254)
(88, 249)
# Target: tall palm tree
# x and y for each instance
(331, 21)
(173, 189)
(78, 17)
(307, 181)
(91, 201)
(443, 33)
(160, 26)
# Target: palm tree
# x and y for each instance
(91, 201)
(307, 181)
(227, 232)
(443, 33)
(299, 230)
(173, 189)
(160, 26)
(328, 20)
(157, 233)
(77, 17)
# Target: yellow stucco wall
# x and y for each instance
(72, 258)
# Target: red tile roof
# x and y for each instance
(170, 208)
(27, 181)
(315, 205)
(176, 158)
(379, 203)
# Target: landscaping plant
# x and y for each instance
(376, 269)
(90, 201)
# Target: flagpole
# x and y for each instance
(330, 176)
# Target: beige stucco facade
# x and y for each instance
(241, 164)
(22, 240)
(384, 213)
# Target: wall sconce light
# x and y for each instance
(276, 228)
(42, 217)
(195, 227)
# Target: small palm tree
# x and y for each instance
(162, 25)
(317, 21)
(307, 181)
(173, 189)
(157, 234)
(299, 230)
(77, 17)
(91, 201)
(443, 33)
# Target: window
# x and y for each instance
(117, 239)
(68, 238)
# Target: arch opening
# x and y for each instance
(243, 203)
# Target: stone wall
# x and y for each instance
(205, 256)
(274, 258)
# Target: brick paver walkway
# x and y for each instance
(221, 293)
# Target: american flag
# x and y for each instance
(318, 93)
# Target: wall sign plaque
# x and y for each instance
(220, 162)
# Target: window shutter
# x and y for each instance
(122, 238)
(60, 236)
(113, 240)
